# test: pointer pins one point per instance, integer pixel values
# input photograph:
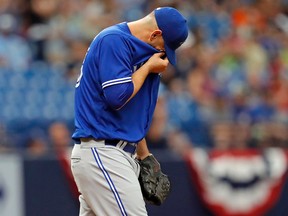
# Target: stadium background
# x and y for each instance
(228, 93)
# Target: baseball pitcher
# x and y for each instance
(115, 97)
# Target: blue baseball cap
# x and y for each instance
(174, 30)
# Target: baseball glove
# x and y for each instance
(154, 184)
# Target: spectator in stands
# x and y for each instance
(15, 53)
(36, 146)
(221, 133)
(60, 138)
(60, 141)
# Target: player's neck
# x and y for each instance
(140, 30)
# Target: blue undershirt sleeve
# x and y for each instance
(117, 95)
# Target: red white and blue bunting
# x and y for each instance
(238, 182)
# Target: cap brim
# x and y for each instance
(170, 55)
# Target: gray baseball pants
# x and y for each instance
(107, 178)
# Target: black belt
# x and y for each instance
(124, 145)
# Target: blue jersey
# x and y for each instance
(113, 56)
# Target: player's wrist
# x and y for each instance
(143, 156)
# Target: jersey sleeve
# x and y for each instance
(114, 66)
(117, 95)
(114, 62)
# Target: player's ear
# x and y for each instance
(155, 34)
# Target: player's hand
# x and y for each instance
(156, 64)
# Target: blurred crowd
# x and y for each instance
(229, 89)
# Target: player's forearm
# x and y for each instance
(138, 78)
(155, 64)
(142, 149)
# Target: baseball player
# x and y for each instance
(115, 98)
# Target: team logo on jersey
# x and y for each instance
(136, 67)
